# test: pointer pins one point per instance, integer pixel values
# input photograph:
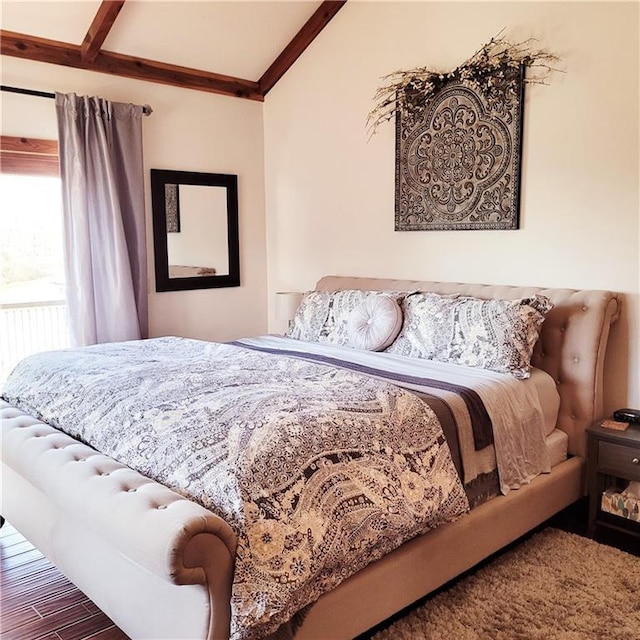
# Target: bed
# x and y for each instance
(184, 271)
(162, 566)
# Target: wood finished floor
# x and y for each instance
(39, 603)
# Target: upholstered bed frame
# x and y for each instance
(161, 566)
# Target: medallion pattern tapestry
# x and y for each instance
(458, 158)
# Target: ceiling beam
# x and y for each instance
(99, 29)
(25, 163)
(91, 57)
(29, 156)
(35, 146)
(69, 55)
(316, 23)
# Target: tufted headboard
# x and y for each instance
(571, 346)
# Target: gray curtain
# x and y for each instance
(104, 223)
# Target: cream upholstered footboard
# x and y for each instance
(161, 566)
(158, 564)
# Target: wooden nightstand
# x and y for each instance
(613, 459)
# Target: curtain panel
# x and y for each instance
(102, 173)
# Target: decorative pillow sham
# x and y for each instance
(490, 334)
(323, 316)
(311, 316)
(427, 331)
(375, 323)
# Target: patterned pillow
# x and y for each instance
(490, 334)
(374, 324)
(498, 334)
(311, 316)
(427, 331)
(323, 315)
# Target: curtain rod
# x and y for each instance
(146, 109)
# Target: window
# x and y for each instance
(32, 306)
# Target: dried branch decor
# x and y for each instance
(459, 138)
(493, 70)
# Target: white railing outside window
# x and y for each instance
(30, 327)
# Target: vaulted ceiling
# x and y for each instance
(238, 48)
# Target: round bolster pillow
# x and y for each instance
(374, 324)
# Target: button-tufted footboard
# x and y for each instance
(139, 550)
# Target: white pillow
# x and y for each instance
(374, 324)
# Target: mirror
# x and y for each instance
(195, 230)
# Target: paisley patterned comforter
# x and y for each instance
(319, 470)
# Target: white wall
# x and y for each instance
(188, 131)
(330, 191)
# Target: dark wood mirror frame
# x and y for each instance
(159, 179)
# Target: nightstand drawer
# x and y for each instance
(625, 461)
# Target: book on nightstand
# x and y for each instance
(614, 424)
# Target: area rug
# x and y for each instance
(553, 586)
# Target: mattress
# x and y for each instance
(547, 393)
(557, 443)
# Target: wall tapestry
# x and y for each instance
(459, 139)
